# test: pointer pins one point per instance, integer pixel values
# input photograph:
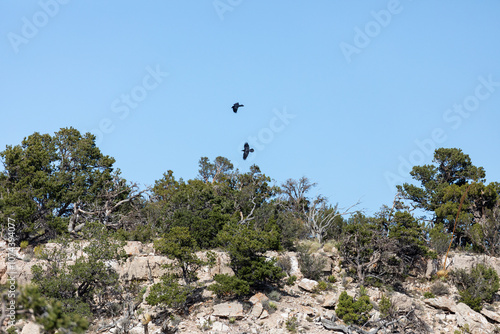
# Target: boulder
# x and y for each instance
(219, 327)
(221, 265)
(442, 303)
(133, 248)
(431, 268)
(264, 315)
(328, 268)
(143, 268)
(257, 310)
(491, 315)
(308, 284)
(331, 300)
(259, 297)
(31, 328)
(24, 272)
(139, 329)
(466, 261)
(228, 310)
(401, 302)
(476, 322)
(295, 270)
(307, 310)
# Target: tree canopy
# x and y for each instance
(53, 184)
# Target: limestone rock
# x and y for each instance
(31, 328)
(308, 284)
(295, 270)
(466, 261)
(477, 323)
(257, 310)
(259, 297)
(207, 294)
(221, 265)
(432, 268)
(137, 330)
(328, 268)
(442, 303)
(133, 248)
(228, 310)
(331, 300)
(491, 315)
(219, 327)
(308, 310)
(401, 302)
(264, 315)
(143, 268)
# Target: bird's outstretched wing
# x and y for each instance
(246, 151)
(236, 106)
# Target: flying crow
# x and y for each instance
(246, 151)
(236, 106)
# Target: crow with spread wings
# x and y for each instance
(236, 106)
(246, 151)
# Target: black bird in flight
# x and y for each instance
(236, 106)
(246, 151)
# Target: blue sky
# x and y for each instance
(349, 94)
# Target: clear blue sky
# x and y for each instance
(339, 91)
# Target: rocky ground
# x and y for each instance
(300, 308)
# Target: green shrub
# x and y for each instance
(269, 306)
(322, 286)
(477, 286)
(81, 284)
(274, 295)
(169, 292)
(179, 245)
(292, 324)
(353, 311)
(142, 233)
(310, 265)
(474, 302)
(291, 280)
(24, 244)
(429, 294)
(38, 251)
(439, 238)
(332, 279)
(385, 306)
(246, 246)
(227, 286)
(49, 313)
